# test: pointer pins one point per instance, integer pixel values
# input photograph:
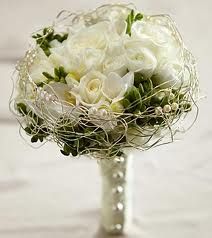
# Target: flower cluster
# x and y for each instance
(96, 82)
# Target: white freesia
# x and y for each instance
(140, 58)
(114, 86)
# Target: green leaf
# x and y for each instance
(64, 153)
(138, 78)
(136, 93)
(155, 101)
(28, 130)
(126, 103)
(131, 18)
(164, 101)
(21, 107)
(62, 71)
(47, 36)
(34, 139)
(141, 90)
(139, 17)
(47, 75)
(57, 72)
(147, 85)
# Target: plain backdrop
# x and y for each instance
(43, 194)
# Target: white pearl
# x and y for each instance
(118, 207)
(118, 189)
(161, 95)
(119, 160)
(103, 112)
(93, 110)
(42, 94)
(47, 98)
(118, 175)
(167, 108)
(174, 106)
(158, 111)
(116, 227)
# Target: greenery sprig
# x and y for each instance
(143, 97)
(131, 18)
(46, 37)
(59, 76)
(36, 128)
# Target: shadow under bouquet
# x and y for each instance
(101, 81)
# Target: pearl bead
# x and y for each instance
(161, 95)
(118, 207)
(167, 108)
(118, 189)
(118, 174)
(174, 106)
(103, 112)
(119, 160)
(93, 110)
(116, 227)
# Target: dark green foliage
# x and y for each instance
(132, 18)
(35, 128)
(46, 37)
(59, 76)
(138, 78)
(132, 101)
(21, 108)
(84, 137)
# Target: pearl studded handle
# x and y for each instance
(116, 194)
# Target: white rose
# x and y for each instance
(89, 90)
(140, 58)
(114, 86)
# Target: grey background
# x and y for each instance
(43, 194)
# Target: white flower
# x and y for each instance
(40, 65)
(89, 90)
(140, 58)
(78, 62)
(92, 37)
(115, 64)
(169, 74)
(54, 100)
(114, 86)
(158, 37)
(117, 17)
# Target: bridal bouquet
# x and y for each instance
(98, 82)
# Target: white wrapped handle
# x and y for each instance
(116, 194)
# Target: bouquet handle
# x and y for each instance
(116, 205)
